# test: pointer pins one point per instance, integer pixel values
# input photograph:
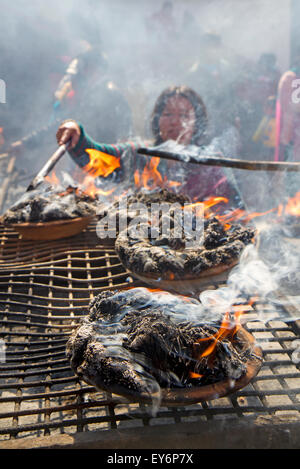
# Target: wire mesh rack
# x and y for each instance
(45, 288)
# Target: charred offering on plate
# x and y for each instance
(166, 257)
(49, 205)
(137, 342)
(126, 207)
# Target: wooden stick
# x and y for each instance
(4, 155)
(222, 161)
(39, 178)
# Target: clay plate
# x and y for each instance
(190, 284)
(195, 394)
(221, 388)
(46, 231)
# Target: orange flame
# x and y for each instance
(202, 208)
(293, 205)
(52, 179)
(194, 375)
(280, 210)
(228, 328)
(90, 188)
(214, 201)
(239, 312)
(87, 186)
(101, 164)
(137, 179)
(221, 334)
(150, 177)
(241, 215)
(171, 183)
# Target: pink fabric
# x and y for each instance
(200, 181)
(278, 120)
(206, 182)
(288, 116)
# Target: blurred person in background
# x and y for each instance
(88, 89)
(265, 134)
(254, 82)
(288, 122)
(266, 78)
(163, 59)
(162, 23)
(210, 75)
(87, 92)
(288, 114)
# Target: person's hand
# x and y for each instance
(69, 130)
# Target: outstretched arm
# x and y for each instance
(81, 141)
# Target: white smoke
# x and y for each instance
(269, 271)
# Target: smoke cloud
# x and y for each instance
(213, 46)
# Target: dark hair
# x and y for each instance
(197, 103)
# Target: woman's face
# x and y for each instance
(177, 121)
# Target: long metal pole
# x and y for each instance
(222, 161)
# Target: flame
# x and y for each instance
(71, 190)
(194, 375)
(240, 215)
(221, 334)
(229, 327)
(87, 186)
(239, 312)
(212, 201)
(171, 183)
(137, 179)
(101, 164)
(293, 205)
(150, 177)
(52, 179)
(92, 190)
(280, 210)
(203, 208)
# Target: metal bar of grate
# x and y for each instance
(45, 289)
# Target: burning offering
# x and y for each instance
(51, 213)
(152, 345)
(119, 215)
(182, 260)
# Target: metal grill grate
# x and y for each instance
(44, 289)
